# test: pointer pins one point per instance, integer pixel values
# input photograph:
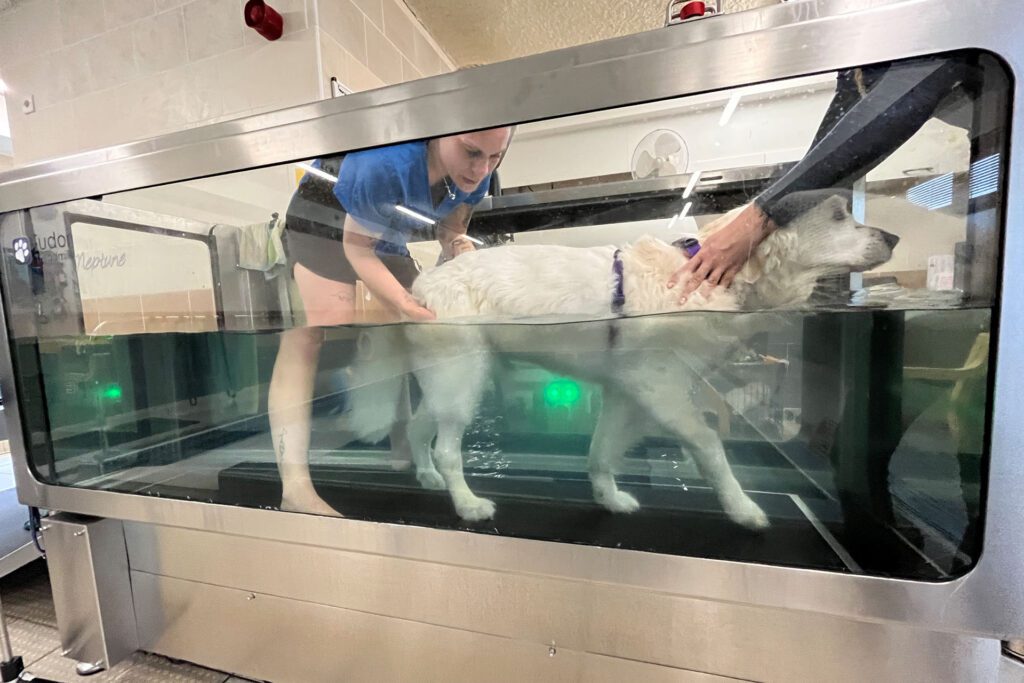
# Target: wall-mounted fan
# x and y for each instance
(661, 153)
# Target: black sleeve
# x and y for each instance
(860, 131)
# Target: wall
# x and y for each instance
(6, 161)
(370, 43)
(108, 71)
(922, 233)
(603, 143)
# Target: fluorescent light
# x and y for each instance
(730, 107)
(934, 194)
(3, 87)
(984, 177)
(414, 214)
(694, 179)
(309, 168)
(686, 209)
(671, 223)
(472, 239)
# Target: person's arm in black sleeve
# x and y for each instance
(894, 108)
(864, 130)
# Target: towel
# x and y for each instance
(260, 247)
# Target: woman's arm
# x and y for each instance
(375, 275)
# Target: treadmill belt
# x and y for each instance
(671, 521)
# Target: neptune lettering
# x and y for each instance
(101, 261)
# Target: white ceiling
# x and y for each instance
(485, 31)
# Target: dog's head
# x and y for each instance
(826, 238)
(823, 239)
(829, 238)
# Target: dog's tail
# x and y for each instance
(377, 377)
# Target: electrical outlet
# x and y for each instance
(28, 104)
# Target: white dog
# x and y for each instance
(503, 300)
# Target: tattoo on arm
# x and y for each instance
(280, 441)
(345, 296)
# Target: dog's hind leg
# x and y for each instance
(666, 400)
(614, 433)
(452, 367)
(448, 455)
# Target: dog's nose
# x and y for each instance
(891, 240)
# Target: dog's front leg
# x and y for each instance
(662, 388)
(704, 444)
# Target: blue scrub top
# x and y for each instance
(373, 182)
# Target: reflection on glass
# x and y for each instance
(236, 339)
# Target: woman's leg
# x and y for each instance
(326, 302)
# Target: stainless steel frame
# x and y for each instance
(91, 590)
(783, 41)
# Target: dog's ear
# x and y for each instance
(652, 250)
(752, 270)
(768, 256)
(837, 205)
(793, 205)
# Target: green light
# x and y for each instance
(562, 393)
(112, 392)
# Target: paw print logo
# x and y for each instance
(22, 253)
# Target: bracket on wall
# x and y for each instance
(337, 89)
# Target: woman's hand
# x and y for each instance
(412, 310)
(460, 245)
(725, 251)
(378, 279)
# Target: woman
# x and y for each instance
(351, 219)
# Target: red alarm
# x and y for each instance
(263, 19)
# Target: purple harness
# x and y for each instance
(688, 244)
(618, 294)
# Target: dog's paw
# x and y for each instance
(475, 510)
(431, 480)
(747, 514)
(620, 501)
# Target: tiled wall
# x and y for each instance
(181, 311)
(369, 43)
(108, 71)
